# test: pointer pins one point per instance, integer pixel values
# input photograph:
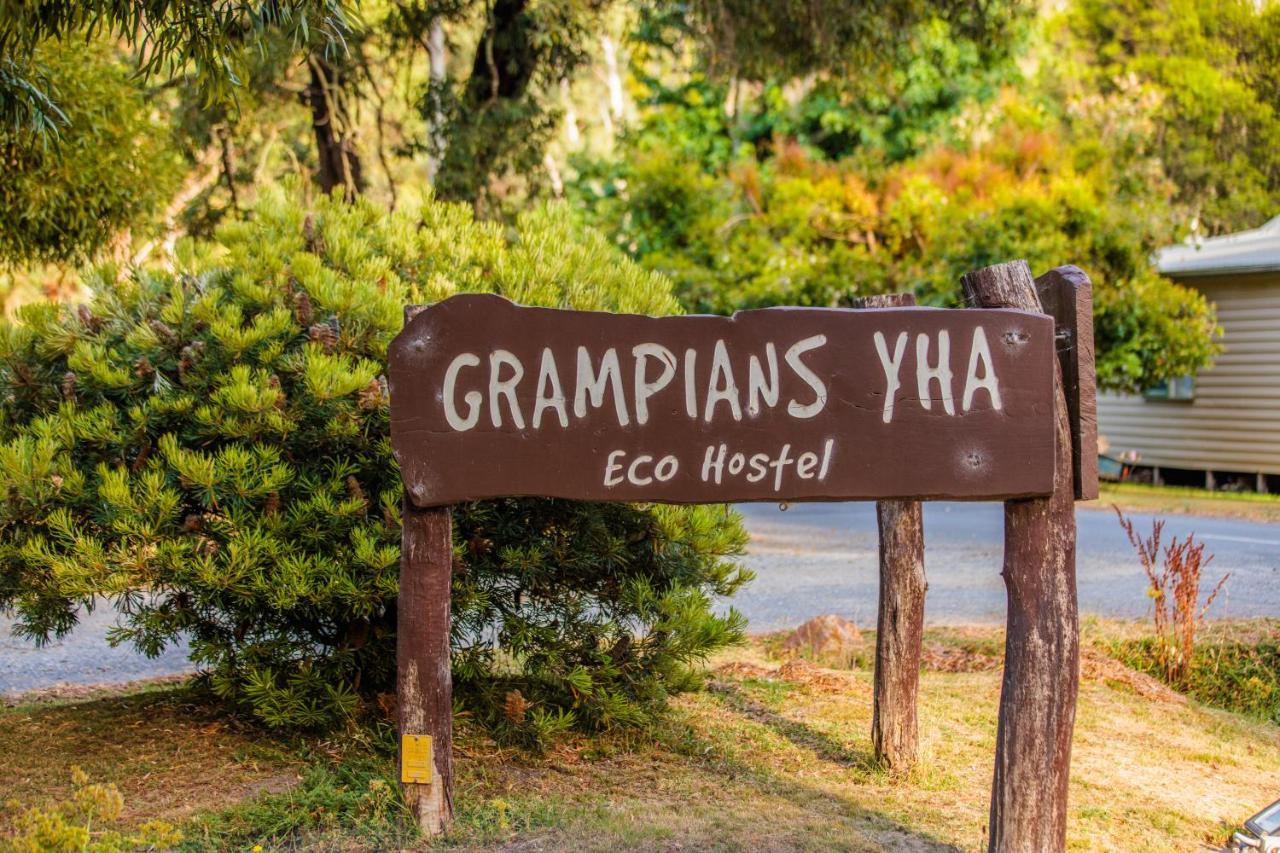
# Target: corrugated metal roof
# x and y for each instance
(1257, 250)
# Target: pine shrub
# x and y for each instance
(207, 449)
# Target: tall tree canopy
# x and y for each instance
(1212, 70)
(110, 169)
(202, 37)
(501, 112)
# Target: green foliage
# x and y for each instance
(796, 37)
(84, 824)
(791, 228)
(64, 197)
(206, 39)
(495, 122)
(1211, 66)
(350, 795)
(897, 105)
(210, 448)
(1235, 675)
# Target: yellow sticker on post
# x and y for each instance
(415, 759)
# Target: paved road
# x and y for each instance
(82, 657)
(821, 558)
(815, 559)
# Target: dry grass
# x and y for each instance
(169, 754)
(775, 755)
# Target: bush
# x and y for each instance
(209, 448)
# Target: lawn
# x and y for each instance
(1139, 497)
(774, 755)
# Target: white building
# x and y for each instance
(1221, 426)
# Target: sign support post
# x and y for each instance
(900, 617)
(1042, 640)
(424, 680)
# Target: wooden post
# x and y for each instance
(1067, 295)
(900, 618)
(1042, 645)
(424, 680)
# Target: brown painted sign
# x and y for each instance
(493, 399)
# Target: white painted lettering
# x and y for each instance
(783, 460)
(808, 410)
(550, 394)
(633, 476)
(610, 479)
(473, 399)
(891, 368)
(666, 468)
(504, 387)
(723, 387)
(805, 465)
(690, 390)
(645, 388)
(590, 382)
(981, 351)
(826, 458)
(942, 372)
(713, 463)
(757, 389)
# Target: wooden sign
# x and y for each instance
(495, 399)
(897, 404)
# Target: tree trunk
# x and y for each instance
(437, 142)
(339, 162)
(613, 79)
(1042, 644)
(505, 60)
(899, 632)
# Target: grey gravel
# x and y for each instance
(821, 558)
(82, 657)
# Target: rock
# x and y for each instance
(825, 635)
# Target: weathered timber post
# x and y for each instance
(424, 681)
(900, 618)
(1042, 643)
(1067, 295)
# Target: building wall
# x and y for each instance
(1234, 422)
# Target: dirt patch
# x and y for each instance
(825, 635)
(277, 784)
(939, 658)
(743, 669)
(800, 672)
(169, 752)
(1097, 666)
(79, 692)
